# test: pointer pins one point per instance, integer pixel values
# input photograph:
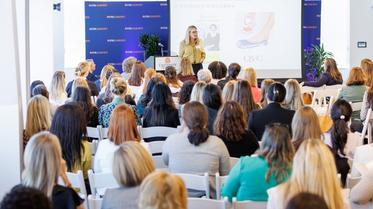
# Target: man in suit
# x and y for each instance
(273, 113)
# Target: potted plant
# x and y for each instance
(149, 42)
(314, 61)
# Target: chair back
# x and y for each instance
(367, 128)
(203, 203)
(196, 182)
(156, 147)
(99, 182)
(248, 204)
(77, 181)
(104, 133)
(157, 131)
(93, 145)
(158, 162)
(94, 202)
(219, 180)
(94, 132)
(321, 94)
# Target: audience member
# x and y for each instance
(307, 176)
(251, 177)
(293, 99)
(212, 100)
(162, 190)
(218, 70)
(136, 79)
(233, 71)
(173, 82)
(357, 125)
(82, 71)
(131, 164)
(197, 92)
(147, 96)
(148, 74)
(33, 84)
(40, 90)
(122, 128)
(92, 67)
(82, 96)
(305, 125)
(127, 66)
(266, 83)
(43, 166)
(107, 96)
(38, 117)
(204, 75)
(21, 197)
(105, 74)
(231, 126)
(185, 92)
(227, 93)
(273, 112)
(367, 66)
(306, 200)
(331, 76)
(243, 95)
(249, 75)
(58, 95)
(186, 71)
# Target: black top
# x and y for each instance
(65, 198)
(92, 86)
(247, 145)
(92, 121)
(222, 83)
(273, 113)
(212, 113)
(325, 79)
(92, 77)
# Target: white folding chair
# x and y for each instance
(94, 202)
(94, 132)
(155, 147)
(157, 131)
(320, 95)
(77, 181)
(158, 162)
(203, 203)
(103, 133)
(99, 182)
(233, 161)
(248, 204)
(352, 181)
(196, 182)
(93, 145)
(219, 180)
(368, 126)
(363, 154)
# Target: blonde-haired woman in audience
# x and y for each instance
(43, 166)
(367, 66)
(331, 76)
(249, 74)
(162, 190)
(313, 171)
(204, 75)
(122, 128)
(186, 71)
(197, 91)
(131, 164)
(305, 125)
(227, 93)
(263, 91)
(57, 93)
(118, 88)
(82, 71)
(250, 178)
(127, 66)
(148, 74)
(293, 99)
(106, 72)
(38, 117)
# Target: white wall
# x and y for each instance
(10, 104)
(58, 37)
(361, 29)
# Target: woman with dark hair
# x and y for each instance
(339, 138)
(173, 82)
(250, 178)
(218, 70)
(145, 98)
(69, 125)
(194, 150)
(273, 112)
(185, 92)
(233, 71)
(136, 80)
(243, 95)
(34, 84)
(231, 126)
(331, 76)
(306, 200)
(82, 96)
(212, 100)
(161, 110)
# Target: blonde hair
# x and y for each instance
(161, 190)
(128, 63)
(314, 171)
(204, 75)
(131, 164)
(293, 99)
(42, 161)
(187, 34)
(249, 74)
(264, 88)
(83, 69)
(197, 92)
(186, 67)
(356, 77)
(118, 86)
(57, 88)
(367, 66)
(79, 81)
(148, 74)
(305, 125)
(331, 67)
(228, 90)
(38, 115)
(103, 76)
(161, 77)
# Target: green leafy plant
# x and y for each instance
(149, 42)
(314, 61)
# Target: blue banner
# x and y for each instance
(113, 29)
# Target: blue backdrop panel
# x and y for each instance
(113, 29)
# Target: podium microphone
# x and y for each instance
(161, 45)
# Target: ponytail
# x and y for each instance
(198, 135)
(339, 133)
(195, 118)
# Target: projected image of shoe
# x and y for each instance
(245, 44)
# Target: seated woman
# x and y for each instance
(186, 71)
(251, 177)
(162, 190)
(227, 93)
(185, 94)
(231, 126)
(306, 200)
(82, 96)
(82, 71)
(43, 166)
(132, 163)
(173, 82)
(197, 91)
(204, 75)
(20, 197)
(70, 126)
(57, 91)
(218, 70)
(249, 75)
(243, 95)
(305, 125)
(212, 100)
(339, 139)
(136, 79)
(122, 128)
(330, 77)
(307, 176)
(127, 66)
(293, 99)
(266, 83)
(233, 71)
(106, 96)
(367, 66)
(105, 74)
(145, 98)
